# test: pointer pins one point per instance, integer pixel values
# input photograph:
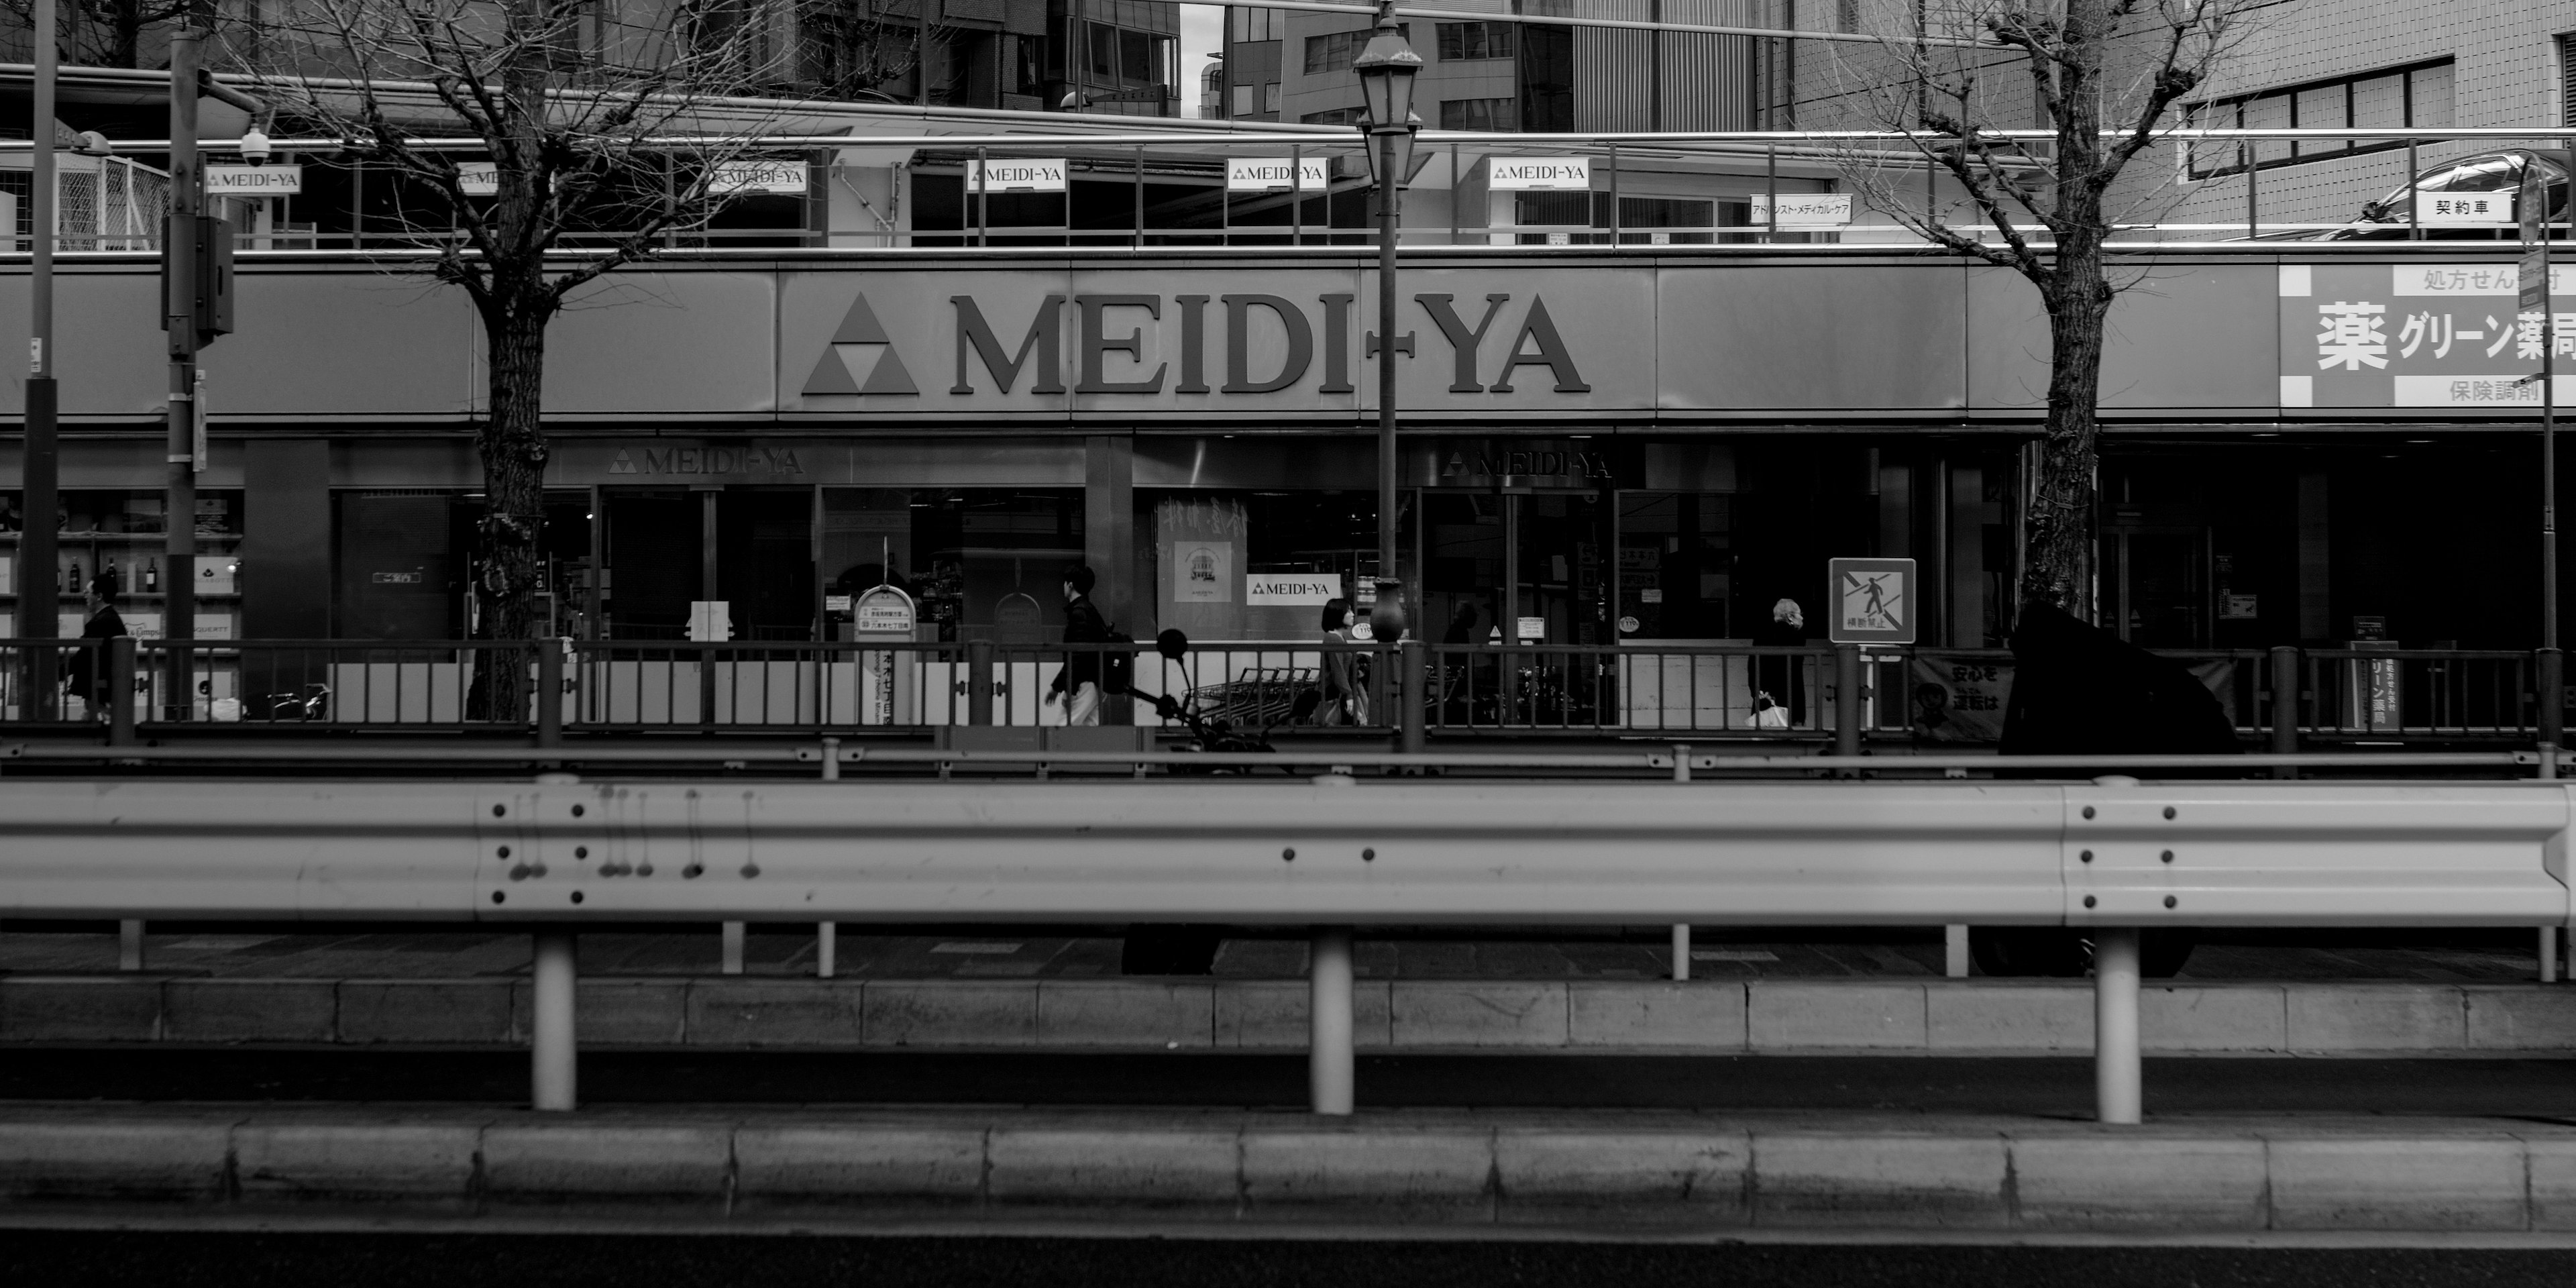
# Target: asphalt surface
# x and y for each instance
(40, 1259)
(2535, 1089)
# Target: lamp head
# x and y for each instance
(1386, 70)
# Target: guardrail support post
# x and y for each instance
(1330, 1068)
(1954, 951)
(979, 682)
(129, 945)
(1681, 950)
(2549, 954)
(2285, 708)
(550, 684)
(1411, 658)
(551, 1048)
(1847, 699)
(2117, 1076)
(120, 691)
(827, 937)
(732, 940)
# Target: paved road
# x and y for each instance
(188, 1260)
(2544, 1089)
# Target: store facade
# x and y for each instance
(1597, 447)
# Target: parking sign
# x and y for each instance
(1873, 601)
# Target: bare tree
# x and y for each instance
(107, 33)
(2106, 76)
(562, 185)
(853, 48)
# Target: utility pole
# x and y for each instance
(180, 311)
(41, 502)
(2549, 678)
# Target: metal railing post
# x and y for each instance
(2285, 708)
(2549, 687)
(1681, 950)
(1954, 951)
(731, 938)
(1330, 1062)
(551, 1044)
(129, 945)
(2117, 1075)
(1848, 701)
(2549, 954)
(827, 943)
(120, 691)
(549, 716)
(1410, 657)
(979, 682)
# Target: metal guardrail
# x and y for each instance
(1917, 697)
(2109, 857)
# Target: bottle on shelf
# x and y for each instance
(72, 578)
(152, 577)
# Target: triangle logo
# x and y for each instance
(861, 342)
(623, 464)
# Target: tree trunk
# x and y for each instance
(2057, 533)
(508, 572)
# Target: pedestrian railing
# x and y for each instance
(1923, 698)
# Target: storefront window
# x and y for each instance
(120, 534)
(1239, 565)
(980, 563)
(1677, 568)
(405, 562)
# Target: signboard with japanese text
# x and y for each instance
(2415, 335)
(2466, 209)
(1804, 210)
(1873, 601)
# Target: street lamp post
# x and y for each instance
(1386, 70)
(40, 506)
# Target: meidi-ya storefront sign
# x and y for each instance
(996, 174)
(2417, 335)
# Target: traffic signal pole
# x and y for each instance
(181, 309)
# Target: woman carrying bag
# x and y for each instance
(1345, 698)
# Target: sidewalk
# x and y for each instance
(1642, 953)
(1655, 1173)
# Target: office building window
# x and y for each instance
(1333, 51)
(1256, 24)
(1476, 114)
(2417, 96)
(1460, 41)
(1333, 116)
(1247, 100)
(1643, 221)
(2567, 80)
(1270, 97)
(1118, 56)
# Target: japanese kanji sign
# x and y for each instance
(2415, 335)
(2466, 209)
(1873, 601)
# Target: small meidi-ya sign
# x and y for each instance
(2416, 335)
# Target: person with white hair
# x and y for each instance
(1780, 680)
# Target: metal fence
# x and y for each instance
(1928, 697)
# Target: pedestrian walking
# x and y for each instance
(1345, 693)
(1779, 680)
(86, 677)
(1077, 685)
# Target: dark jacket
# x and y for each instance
(1083, 624)
(87, 674)
(2081, 690)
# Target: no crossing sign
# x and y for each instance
(1873, 601)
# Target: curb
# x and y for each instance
(1717, 1017)
(1659, 1172)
